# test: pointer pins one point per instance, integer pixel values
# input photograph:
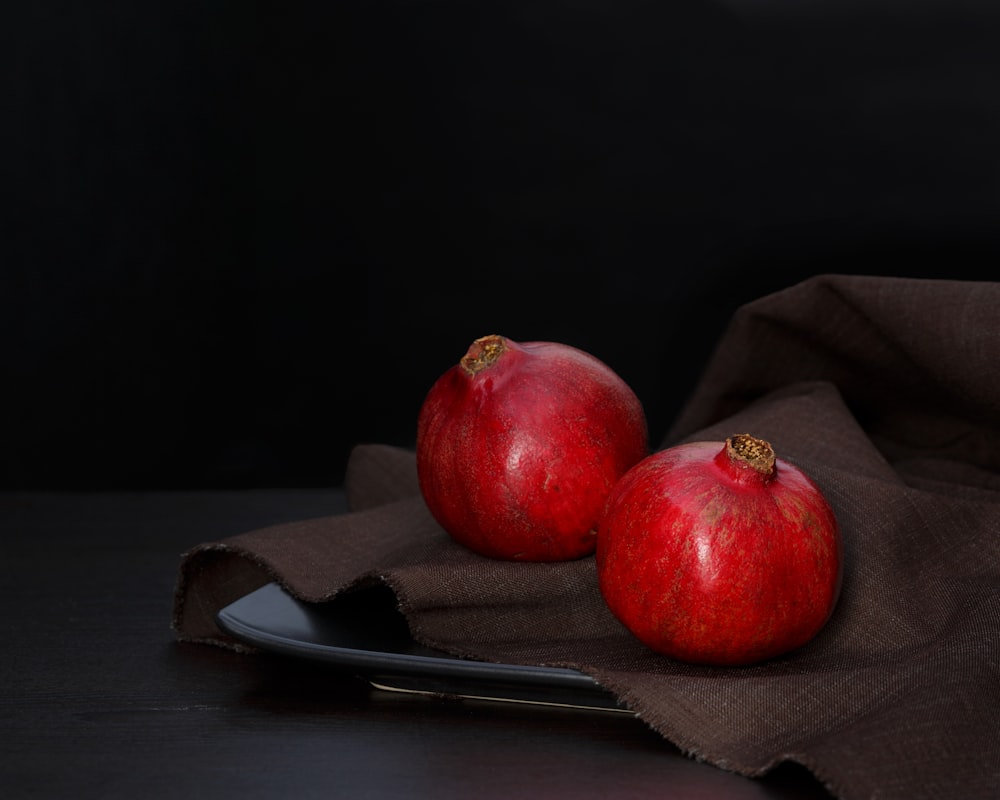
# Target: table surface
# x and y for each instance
(97, 699)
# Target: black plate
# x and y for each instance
(363, 632)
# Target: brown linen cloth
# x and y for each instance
(887, 392)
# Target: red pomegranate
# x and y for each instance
(519, 445)
(719, 553)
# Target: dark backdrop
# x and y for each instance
(238, 239)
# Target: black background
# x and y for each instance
(238, 239)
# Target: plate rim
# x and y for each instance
(462, 675)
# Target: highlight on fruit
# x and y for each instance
(720, 553)
(519, 445)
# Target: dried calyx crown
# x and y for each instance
(752, 452)
(483, 352)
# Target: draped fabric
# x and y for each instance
(886, 391)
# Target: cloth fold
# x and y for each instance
(887, 392)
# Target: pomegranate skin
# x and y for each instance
(519, 445)
(712, 557)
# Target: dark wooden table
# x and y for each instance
(98, 700)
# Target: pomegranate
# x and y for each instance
(719, 553)
(519, 445)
